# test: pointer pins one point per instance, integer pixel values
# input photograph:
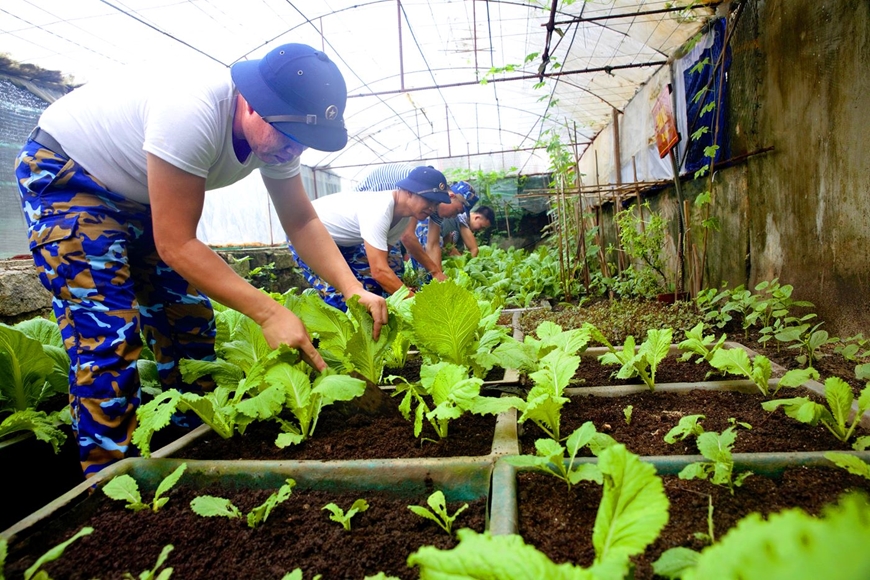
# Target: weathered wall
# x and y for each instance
(799, 82)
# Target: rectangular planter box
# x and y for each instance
(461, 480)
(504, 500)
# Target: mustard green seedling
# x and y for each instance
(438, 513)
(339, 515)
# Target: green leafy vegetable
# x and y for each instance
(338, 515)
(124, 488)
(152, 573)
(790, 545)
(835, 417)
(438, 513)
(642, 363)
(451, 392)
(211, 506)
(719, 469)
(554, 459)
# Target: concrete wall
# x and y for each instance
(799, 82)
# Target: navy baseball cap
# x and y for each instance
(299, 91)
(428, 182)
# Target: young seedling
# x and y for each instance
(152, 573)
(719, 469)
(210, 506)
(554, 459)
(737, 362)
(689, 426)
(642, 363)
(626, 412)
(34, 572)
(438, 513)
(124, 488)
(835, 417)
(696, 344)
(338, 515)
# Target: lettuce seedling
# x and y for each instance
(338, 515)
(632, 513)
(527, 355)
(151, 574)
(642, 363)
(835, 417)
(790, 544)
(34, 572)
(737, 362)
(554, 459)
(451, 392)
(210, 506)
(688, 426)
(124, 488)
(719, 469)
(438, 513)
(544, 402)
(696, 344)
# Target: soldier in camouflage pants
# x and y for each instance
(94, 250)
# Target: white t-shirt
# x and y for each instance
(354, 217)
(109, 126)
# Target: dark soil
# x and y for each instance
(297, 534)
(591, 373)
(356, 437)
(559, 522)
(653, 414)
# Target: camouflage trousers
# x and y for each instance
(358, 261)
(94, 251)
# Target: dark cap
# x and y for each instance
(299, 91)
(465, 192)
(428, 182)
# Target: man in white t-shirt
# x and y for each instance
(365, 225)
(113, 182)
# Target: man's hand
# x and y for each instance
(284, 327)
(439, 275)
(377, 307)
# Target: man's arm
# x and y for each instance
(433, 243)
(469, 239)
(316, 247)
(380, 268)
(177, 199)
(415, 248)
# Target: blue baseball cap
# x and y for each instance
(464, 190)
(299, 91)
(428, 182)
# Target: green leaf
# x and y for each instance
(634, 507)
(260, 513)
(24, 370)
(210, 506)
(168, 483)
(54, 553)
(124, 488)
(446, 317)
(792, 545)
(486, 557)
(675, 562)
(851, 463)
(687, 427)
(839, 396)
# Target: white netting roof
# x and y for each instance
(413, 67)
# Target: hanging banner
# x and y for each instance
(666, 125)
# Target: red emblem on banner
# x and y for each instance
(666, 125)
